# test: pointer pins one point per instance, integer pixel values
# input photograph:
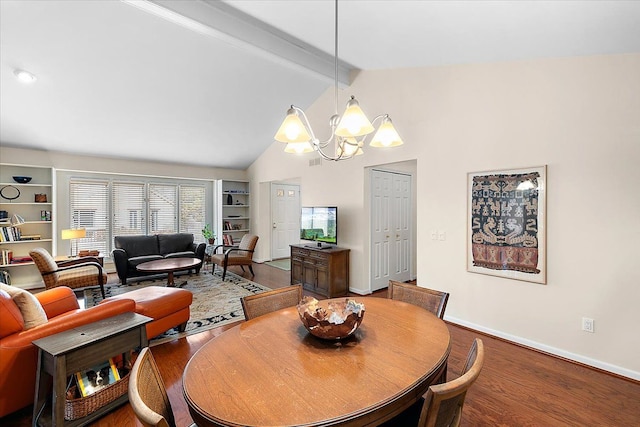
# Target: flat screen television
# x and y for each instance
(319, 224)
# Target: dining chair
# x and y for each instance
(266, 302)
(442, 403)
(429, 299)
(76, 273)
(241, 255)
(147, 394)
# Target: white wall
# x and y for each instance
(579, 116)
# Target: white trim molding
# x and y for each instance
(548, 349)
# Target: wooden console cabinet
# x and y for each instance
(322, 271)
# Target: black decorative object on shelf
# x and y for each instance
(229, 199)
(7, 193)
(22, 179)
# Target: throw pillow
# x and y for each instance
(10, 317)
(30, 308)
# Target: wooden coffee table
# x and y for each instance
(169, 266)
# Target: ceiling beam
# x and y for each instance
(230, 25)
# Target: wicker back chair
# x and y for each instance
(147, 393)
(442, 405)
(241, 255)
(266, 302)
(443, 402)
(76, 273)
(429, 299)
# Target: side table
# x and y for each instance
(78, 349)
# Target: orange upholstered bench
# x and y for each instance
(168, 307)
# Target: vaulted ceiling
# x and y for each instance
(208, 82)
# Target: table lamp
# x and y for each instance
(72, 234)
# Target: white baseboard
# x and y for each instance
(360, 291)
(548, 349)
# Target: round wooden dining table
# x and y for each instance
(270, 371)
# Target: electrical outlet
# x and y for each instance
(588, 324)
(434, 235)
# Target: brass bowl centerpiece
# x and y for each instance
(331, 319)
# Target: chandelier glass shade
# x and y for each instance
(348, 131)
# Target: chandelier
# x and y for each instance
(348, 131)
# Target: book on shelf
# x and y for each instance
(21, 259)
(10, 234)
(5, 257)
(30, 237)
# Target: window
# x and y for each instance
(88, 204)
(128, 208)
(115, 207)
(192, 210)
(135, 219)
(163, 207)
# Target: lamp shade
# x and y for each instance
(298, 148)
(353, 121)
(74, 233)
(387, 136)
(350, 147)
(292, 129)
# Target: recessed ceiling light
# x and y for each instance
(24, 76)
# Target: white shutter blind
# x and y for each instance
(88, 207)
(192, 211)
(163, 208)
(129, 211)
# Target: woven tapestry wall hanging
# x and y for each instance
(506, 234)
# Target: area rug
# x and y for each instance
(215, 302)
(282, 264)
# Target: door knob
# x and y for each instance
(274, 225)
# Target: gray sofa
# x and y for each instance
(133, 250)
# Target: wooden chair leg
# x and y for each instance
(251, 270)
(182, 327)
(101, 283)
(242, 267)
(224, 272)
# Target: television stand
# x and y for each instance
(318, 245)
(323, 271)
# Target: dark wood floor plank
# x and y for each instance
(517, 386)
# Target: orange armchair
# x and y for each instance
(19, 357)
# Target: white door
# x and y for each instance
(285, 217)
(390, 228)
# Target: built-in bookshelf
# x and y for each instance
(234, 217)
(28, 220)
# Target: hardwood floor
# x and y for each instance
(517, 386)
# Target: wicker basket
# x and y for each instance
(78, 408)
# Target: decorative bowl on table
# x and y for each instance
(22, 179)
(331, 319)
